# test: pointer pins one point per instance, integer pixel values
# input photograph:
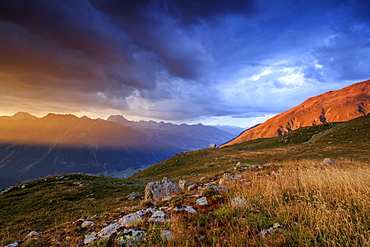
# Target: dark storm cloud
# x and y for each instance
(179, 60)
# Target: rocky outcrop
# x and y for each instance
(157, 190)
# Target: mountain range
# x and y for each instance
(32, 147)
(333, 106)
(186, 137)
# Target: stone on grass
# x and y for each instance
(129, 220)
(32, 234)
(90, 238)
(202, 201)
(275, 228)
(179, 207)
(87, 223)
(158, 189)
(211, 188)
(107, 231)
(227, 177)
(166, 198)
(160, 217)
(166, 235)
(328, 161)
(183, 184)
(238, 202)
(12, 245)
(130, 237)
(192, 187)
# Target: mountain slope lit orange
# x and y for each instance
(333, 106)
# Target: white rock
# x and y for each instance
(328, 161)
(87, 223)
(89, 238)
(107, 231)
(202, 201)
(129, 220)
(166, 198)
(32, 233)
(12, 245)
(160, 217)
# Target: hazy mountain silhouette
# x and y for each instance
(33, 147)
(184, 136)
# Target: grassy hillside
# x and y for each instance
(44, 203)
(318, 205)
(336, 140)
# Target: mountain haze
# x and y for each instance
(184, 136)
(54, 144)
(333, 106)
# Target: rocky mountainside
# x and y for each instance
(36, 147)
(334, 106)
(183, 136)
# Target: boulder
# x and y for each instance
(179, 207)
(130, 237)
(211, 188)
(107, 231)
(275, 228)
(90, 238)
(129, 220)
(87, 223)
(202, 201)
(157, 190)
(184, 184)
(227, 177)
(328, 161)
(160, 217)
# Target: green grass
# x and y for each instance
(48, 205)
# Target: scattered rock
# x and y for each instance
(160, 217)
(12, 245)
(179, 207)
(25, 186)
(238, 202)
(129, 220)
(192, 187)
(77, 183)
(32, 234)
(275, 228)
(107, 231)
(90, 238)
(130, 237)
(87, 223)
(227, 177)
(211, 188)
(133, 196)
(166, 235)
(158, 189)
(183, 184)
(166, 198)
(328, 161)
(202, 201)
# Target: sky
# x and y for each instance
(222, 62)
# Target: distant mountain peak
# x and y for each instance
(19, 115)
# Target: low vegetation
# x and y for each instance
(314, 204)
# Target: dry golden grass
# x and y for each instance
(319, 205)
